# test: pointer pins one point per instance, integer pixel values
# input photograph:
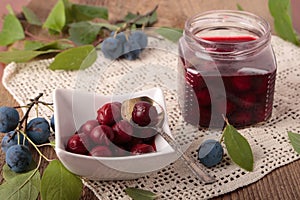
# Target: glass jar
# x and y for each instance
(227, 68)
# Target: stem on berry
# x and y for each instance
(25, 117)
(128, 24)
(18, 138)
(37, 110)
(47, 105)
(227, 123)
(35, 146)
(39, 163)
(46, 144)
(20, 106)
(225, 119)
(133, 21)
(44, 103)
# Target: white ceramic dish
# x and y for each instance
(72, 108)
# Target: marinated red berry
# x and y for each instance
(134, 141)
(123, 131)
(119, 151)
(109, 114)
(118, 104)
(203, 97)
(141, 149)
(78, 143)
(152, 143)
(230, 107)
(101, 151)
(224, 107)
(205, 116)
(262, 84)
(194, 79)
(88, 126)
(144, 114)
(102, 134)
(259, 114)
(145, 132)
(240, 119)
(247, 101)
(241, 83)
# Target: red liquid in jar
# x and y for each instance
(249, 88)
(233, 39)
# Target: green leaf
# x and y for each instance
(8, 174)
(87, 12)
(56, 45)
(82, 33)
(130, 16)
(295, 141)
(105, 25)
(40, 46)
(238, 148)
(59, 183)
(281, 12)
(68, 12)
(172, 34)
(239, 7)
(148, 20)
(75, 58)
(12, 30)
(21, 186)
(56, 20)
(10, 9)
(32, 45)
(139, 194)
(31, 17)
(152, 19)
(21, 55)
(52, 143)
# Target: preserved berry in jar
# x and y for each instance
(227, 68)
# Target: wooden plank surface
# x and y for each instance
(282, 183)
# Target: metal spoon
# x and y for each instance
(197, 168)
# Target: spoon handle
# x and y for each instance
(197, 168)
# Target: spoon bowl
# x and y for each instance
(128, 105)
(126, 112)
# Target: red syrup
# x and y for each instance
(230, 39)
(241, 90)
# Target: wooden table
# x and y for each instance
(282, 183)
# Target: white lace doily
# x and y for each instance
(269, 141)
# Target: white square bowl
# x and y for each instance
(73, 107)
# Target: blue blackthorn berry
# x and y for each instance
(38, 130)
(112, 48)
(140, 37)
(120, 36)
(8, 141)
(9, 119)
(52, 124)
(132, 50)
(18, 158)
(210, 153)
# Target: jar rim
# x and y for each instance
(263, 29)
